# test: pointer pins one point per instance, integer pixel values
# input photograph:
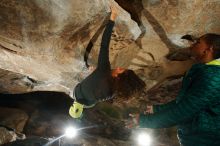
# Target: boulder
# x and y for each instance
(13, 118)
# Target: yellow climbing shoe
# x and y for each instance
(76, 110)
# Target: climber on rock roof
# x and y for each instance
(105, 83)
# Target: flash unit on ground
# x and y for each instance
(144, 139)
(71, 132)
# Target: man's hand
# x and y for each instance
(149, 109)
(133, 122)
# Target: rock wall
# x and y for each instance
(44, 41)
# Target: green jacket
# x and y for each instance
(196, 110)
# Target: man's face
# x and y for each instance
(199, 48)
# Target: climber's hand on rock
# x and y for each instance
(114, 12)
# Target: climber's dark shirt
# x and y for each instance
(98, 85)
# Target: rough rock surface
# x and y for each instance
(6, 136)
(13, 118)
(42, 42)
